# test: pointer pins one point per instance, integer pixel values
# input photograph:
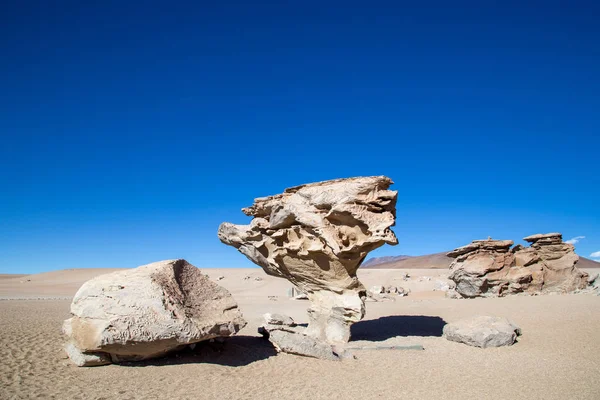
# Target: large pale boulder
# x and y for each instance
(483, 331)
(316, 236)
(490, 268)
(147, 312)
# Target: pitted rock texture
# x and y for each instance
(316, 236)
(490, 268)
(147, 312)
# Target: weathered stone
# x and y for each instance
(486, 268)
(316, 236)
(482, 331)
(147, 312)
(303, 345)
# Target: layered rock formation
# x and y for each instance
(316, 236)
(146, 312)
(489, 268)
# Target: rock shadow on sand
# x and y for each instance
(381, 329)
(235, 351)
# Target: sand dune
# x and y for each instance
(556, 358)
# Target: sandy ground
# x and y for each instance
(556, 358)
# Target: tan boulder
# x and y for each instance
(147, 312)
(316, 236)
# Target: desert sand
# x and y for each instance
(556, 358)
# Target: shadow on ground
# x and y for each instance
(235, 351)
(384, 328)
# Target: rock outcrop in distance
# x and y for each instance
(147, 312)
(316, 236)
(490, 268)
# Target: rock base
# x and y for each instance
(288, 338)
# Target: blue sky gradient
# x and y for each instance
(131, 130)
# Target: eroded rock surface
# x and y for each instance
(147, 312)
(490, 268)
(316, 236)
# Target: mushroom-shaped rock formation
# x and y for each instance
(147, 312)
(316, 236)
(490, 268)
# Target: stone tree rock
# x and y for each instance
(490, 268)
(316, 236)
(146, 312)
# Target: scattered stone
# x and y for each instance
(316, 236)
(247, 277)
(483, 331)
(220, 278)
(379, 292)
(273, 298)
(301, 296)
(258, 278)
(391, 289)
(147, 312)
(489, 268)
(278, 319)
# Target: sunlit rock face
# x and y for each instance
(316, 236)
(490, 268)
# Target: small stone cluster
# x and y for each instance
(491, 268)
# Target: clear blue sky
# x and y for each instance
(131, 130)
